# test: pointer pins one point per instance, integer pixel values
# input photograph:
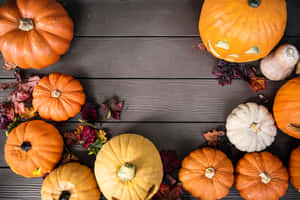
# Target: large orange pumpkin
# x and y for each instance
(261, 176)
(34, 33)
(207, 174)
(33, 148)
(242, 30)
(294, 168)
(71, 181)
(58, 97)
(286, 108)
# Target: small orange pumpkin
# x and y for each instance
(71, 181)
(242, 30)
(34, 33)
(294, 168)
(33, 148)
(286, 108)
(207, 174)
(261, 176)
(58, 97)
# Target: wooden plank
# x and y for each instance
(172, 100)
(18, 188)
(293, 28)
(135, 58)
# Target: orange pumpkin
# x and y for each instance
(261, 176)
(294, 168)
(242, 30)
(34, 33)
(207, 174)
(58, 97)
(33, 148)
(286, 108)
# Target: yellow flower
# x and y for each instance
(102, 135)
(37, 171)
(29, 113)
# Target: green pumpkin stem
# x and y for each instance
(254, 3)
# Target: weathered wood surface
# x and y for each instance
(144, 52)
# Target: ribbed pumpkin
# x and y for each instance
(33, 148)
(294, 168)
(286, 108)
(128, 167)
(71, 181)
(261, 176)
(242, 30)
(58, 97)
(34, 33)
(207, 174)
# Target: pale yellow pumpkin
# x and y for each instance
(129, 167)
(71, 181)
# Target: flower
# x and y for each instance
(213, 137)
(37, 171)
(89, 112)
(112, 108)
(29, 113)
(170, 161)
(88, 136)
(102, 135)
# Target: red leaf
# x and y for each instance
(257, 83)
(170, 161)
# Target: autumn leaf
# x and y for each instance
(213, 137)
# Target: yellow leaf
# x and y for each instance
(37, 171)
(29, 113)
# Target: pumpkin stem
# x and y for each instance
(254, 127)
(127, 172)
(26, 146)
(55, 93)
(265, 178)
(65, 195)
(210, 172)
(294, 127)
(254, 3)
(26, 24)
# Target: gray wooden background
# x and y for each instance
(143, 51)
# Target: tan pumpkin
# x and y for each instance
(34, 33)
(242, 30)
(261, 176)
(207, 174)
(33, 148)
(58, 97)
(286, 108)
(294, 168)
(71, 181)
(129, 167)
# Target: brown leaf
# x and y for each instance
(257, 83)
(9, 66)
(4, 86)
(213, 137)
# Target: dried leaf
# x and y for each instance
(29, 113)
(226, 72)
(9, 66)
(112, 108)
(201, 46)
(4, 86)
(170, 161)
(7, 114)
(89, 112)
(71, 138)
(258, 83)
(213, 137)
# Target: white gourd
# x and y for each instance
(250, 127)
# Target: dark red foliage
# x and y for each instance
(71, 138)
(89, 112)
(225, 72)
(7, 114)
(88, 136)
(112, 108)
(170, 161)
(169, 193)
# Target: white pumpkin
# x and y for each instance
(250, 127)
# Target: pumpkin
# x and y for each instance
(250, 127)
(58, 97)
(129, 167)
(242, 31)
(294, 168)
(207, 174)
(286, 108)
(33, 148)
(34, 33)
(71, 181)
(281, 63)
(261, 176)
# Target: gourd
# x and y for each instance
(250, 127)
(58, 97)
(207, 174)
(33, 148)
(71, 181)
(129, 167)
(286, 108)
(242, 31)
(34, 33)
(281, 63)
(294, 168)
(261, 176)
